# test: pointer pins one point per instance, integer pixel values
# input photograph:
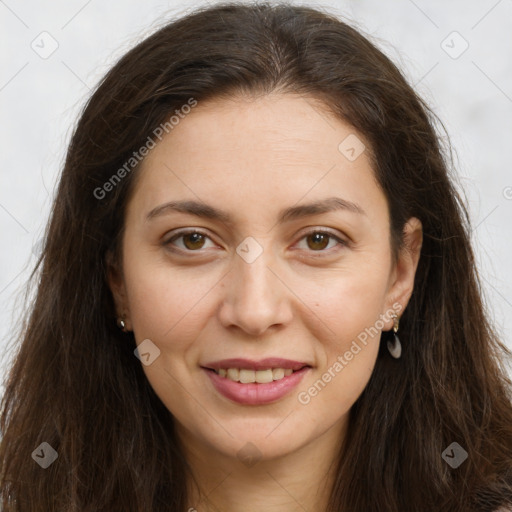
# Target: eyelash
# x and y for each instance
(181, 234)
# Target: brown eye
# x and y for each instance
(319, 241)
(192, 241)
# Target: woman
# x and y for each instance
(257, 291)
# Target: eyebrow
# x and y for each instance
(206, 211)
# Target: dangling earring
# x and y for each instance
(395, 347)
(121, 324)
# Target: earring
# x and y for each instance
(121, 324)
(395, 347)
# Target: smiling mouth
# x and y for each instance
(246, 376)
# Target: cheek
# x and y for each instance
(346, 363)
(348, 323)
(164, 301)
(346, 302)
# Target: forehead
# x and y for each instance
(253, 154)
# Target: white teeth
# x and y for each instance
(277, 373)
(264, 376)
(233, 373)
(251, 376)
(246, 376)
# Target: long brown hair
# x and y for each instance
(75, 383)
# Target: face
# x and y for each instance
(309, 289)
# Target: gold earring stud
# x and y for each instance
(121, 324)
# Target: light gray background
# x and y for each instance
(40, 99)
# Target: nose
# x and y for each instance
(255, 296)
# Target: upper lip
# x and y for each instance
(262, 364)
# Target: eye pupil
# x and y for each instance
(321, 238)
(195, 237)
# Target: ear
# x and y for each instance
(404, 269)
(117, 286)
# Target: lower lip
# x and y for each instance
(254, 393)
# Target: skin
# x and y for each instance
(251, 158)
